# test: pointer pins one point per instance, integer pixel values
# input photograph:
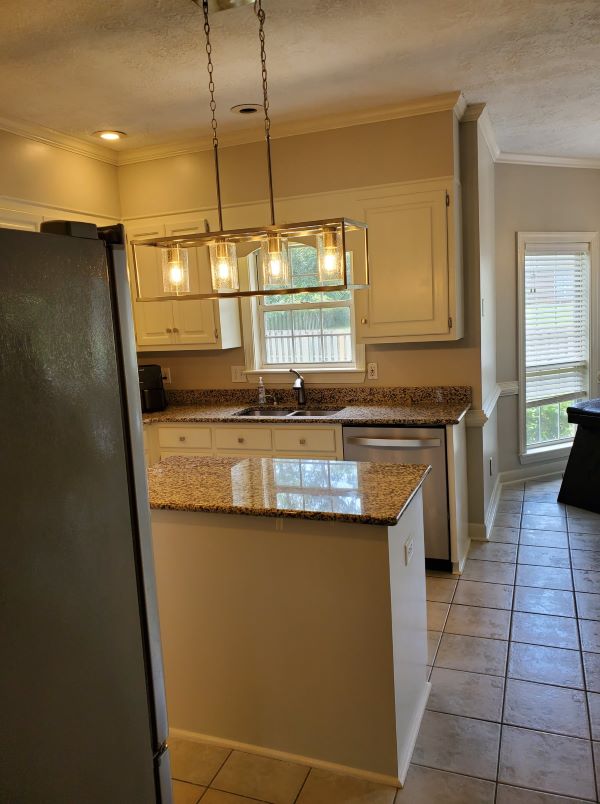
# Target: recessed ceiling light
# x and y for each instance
(110, 135)
(246, 108)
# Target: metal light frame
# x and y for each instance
(257, 234)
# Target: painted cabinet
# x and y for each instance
(185, 323)
(415, 289)
(415, 262)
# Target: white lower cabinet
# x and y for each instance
(289, 440)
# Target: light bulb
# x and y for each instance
(223, 269)
(176, 275)
(330, 261)
(275, 262)
(275, 266)
(223, 266)
(330, 255)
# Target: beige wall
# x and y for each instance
(394, 150)
(407, 149)
(538, 199)
(42, 174)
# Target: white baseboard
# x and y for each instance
(533, 472)
(234, 745)
(492, 507)
(404, 762)
(477, 531)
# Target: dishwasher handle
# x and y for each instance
(403, 443)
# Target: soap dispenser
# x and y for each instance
(262, 392)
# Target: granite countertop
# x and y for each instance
(302, 488)
(440, 413)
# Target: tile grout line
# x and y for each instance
(508, 652)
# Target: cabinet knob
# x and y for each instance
(363, 320)
(182, 438)
(175, 329)
(240, 440)
(302, 441)
(169, 329)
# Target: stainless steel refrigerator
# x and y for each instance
(82, 708)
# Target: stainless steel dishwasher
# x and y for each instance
(412, 445)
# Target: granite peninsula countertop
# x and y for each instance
(426, 406)
(301, 488)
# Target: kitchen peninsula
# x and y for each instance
(292, 604)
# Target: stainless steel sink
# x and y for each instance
(315, 412)
(265, 413)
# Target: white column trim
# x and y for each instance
(478, 417)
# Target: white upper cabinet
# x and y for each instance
(415, 289)
(185, 324)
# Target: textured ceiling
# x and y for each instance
(138, 65)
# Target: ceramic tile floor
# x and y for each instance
(515, 654)
(514, 711)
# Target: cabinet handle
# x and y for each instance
(302, 441)
(363, 320)
(182, 438)
(240, 440)
(175, 329)
(169, 329)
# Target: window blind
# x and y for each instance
(556, 296)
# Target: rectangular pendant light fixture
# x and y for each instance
(340, 243)
(342, 254)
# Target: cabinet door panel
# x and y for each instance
(408, 259)
(194, 320)
(153, 320)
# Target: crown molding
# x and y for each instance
(448, 101)
(478, 112)
(591, 163)
(58, 139)
(420, 106)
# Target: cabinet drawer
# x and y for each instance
(242, 438)
(185, 437)
(291, 439)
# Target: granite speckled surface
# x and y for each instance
(418, 406)
(347, 491)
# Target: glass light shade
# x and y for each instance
(175, 270)
(275, 262)
(330, 256)
(223, 266)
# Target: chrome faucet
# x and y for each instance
(299, 387)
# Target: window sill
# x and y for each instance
(314, 376)
(541, 454)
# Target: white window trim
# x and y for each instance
(560, 449)
(315, 375)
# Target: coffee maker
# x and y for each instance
(152, 391)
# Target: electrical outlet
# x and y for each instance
(238, 374)
(166, 374)
(372, 371)
(409, 549)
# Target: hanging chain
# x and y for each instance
(213, 107)
(259, 11)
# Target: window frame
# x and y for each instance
(254, 346)
(560, 448)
